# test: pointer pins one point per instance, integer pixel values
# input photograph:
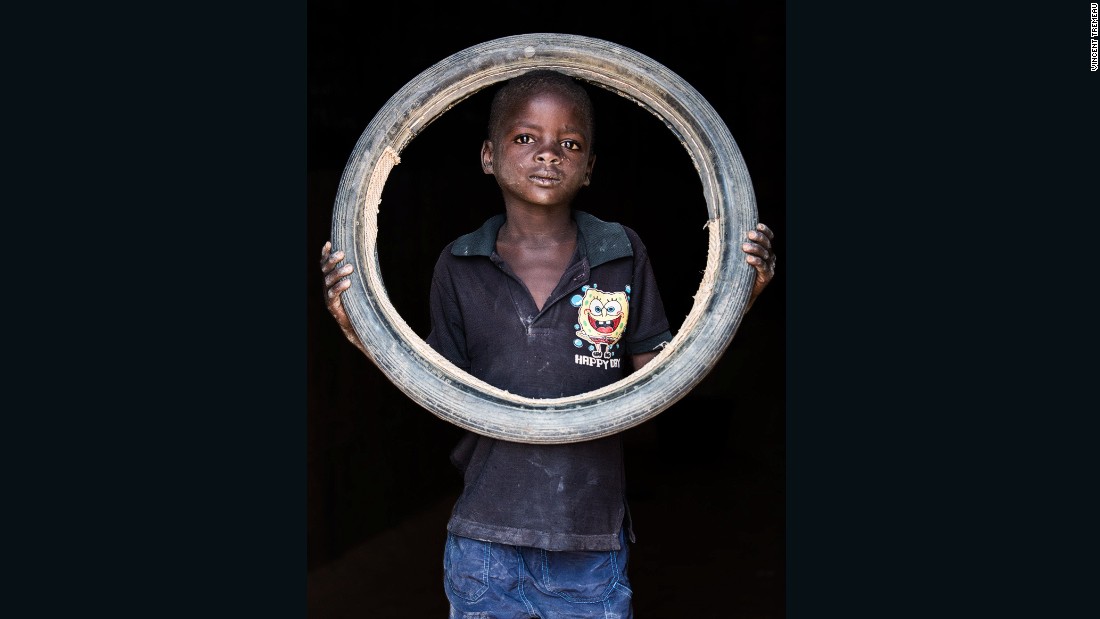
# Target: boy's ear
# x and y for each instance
(487, 157)
(588, 172)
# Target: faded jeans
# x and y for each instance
(486, 580)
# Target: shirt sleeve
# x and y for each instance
(448, 334)
(648, 329)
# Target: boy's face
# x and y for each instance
(540, 151)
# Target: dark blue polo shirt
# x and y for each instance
(606, 307)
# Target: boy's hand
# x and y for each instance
(336, 282)
(758, 250)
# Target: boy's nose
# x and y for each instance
(548, 155)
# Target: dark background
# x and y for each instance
(705, 477)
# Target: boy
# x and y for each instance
(545, 302)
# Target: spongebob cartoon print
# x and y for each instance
(601, 320)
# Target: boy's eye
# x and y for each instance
(570, 145)
(524, 139)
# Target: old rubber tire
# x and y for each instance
(452, 394)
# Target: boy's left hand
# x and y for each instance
(758, 247)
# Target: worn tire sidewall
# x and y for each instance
(457, 397)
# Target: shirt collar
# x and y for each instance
(603, 241)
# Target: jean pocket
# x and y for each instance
(578, 576)
(466, 567)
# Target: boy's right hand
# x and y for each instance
(336, 282)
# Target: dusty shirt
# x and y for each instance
(606, 307)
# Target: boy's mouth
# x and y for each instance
(545, 178)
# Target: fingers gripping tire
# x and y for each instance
(452, 394)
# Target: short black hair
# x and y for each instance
(540, 80)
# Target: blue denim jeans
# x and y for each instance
(487, 580)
